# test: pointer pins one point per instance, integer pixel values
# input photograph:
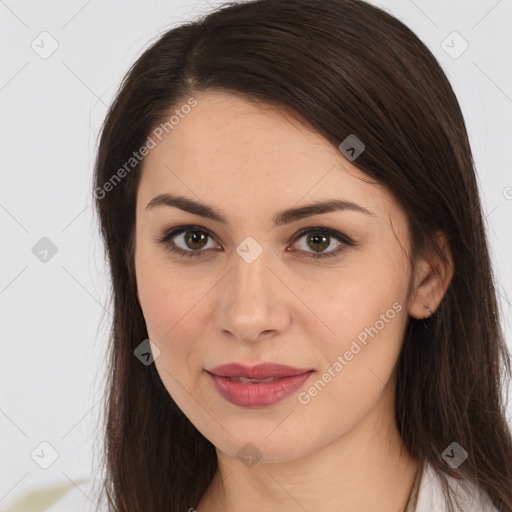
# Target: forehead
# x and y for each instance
(232, 150)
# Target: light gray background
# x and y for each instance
(55, 315)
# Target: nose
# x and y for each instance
(253, 301)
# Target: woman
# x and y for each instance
(289, 207)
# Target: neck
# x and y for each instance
(366, 469)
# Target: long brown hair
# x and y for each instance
(344, 67)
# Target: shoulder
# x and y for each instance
(86, 497)
(431, 495)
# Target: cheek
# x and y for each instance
(365, 313)
(168, 310)
(167, 306)
(359, 359)
(173, 309)
(165, 294)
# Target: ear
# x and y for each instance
(431, 280)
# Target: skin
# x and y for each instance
(249, 162)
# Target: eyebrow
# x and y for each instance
(283, 217)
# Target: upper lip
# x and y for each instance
(259, 371)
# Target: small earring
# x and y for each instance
(424, 320)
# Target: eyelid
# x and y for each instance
(328, 231)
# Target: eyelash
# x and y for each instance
(343, 239)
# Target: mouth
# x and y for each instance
(256, 372)
(254, 381)
(257, 386)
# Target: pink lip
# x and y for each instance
(249, 394)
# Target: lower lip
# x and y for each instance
(258, 395)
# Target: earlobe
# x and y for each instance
(433, 276)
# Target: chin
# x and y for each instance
(262, 444)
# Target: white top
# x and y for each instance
(430, 496)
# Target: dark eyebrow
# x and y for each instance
(283, 217)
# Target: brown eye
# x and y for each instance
(318, 239)
(192, 241)
(318, 242)
(195, 239)
(188, 241)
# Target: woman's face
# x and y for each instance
(248, 290)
